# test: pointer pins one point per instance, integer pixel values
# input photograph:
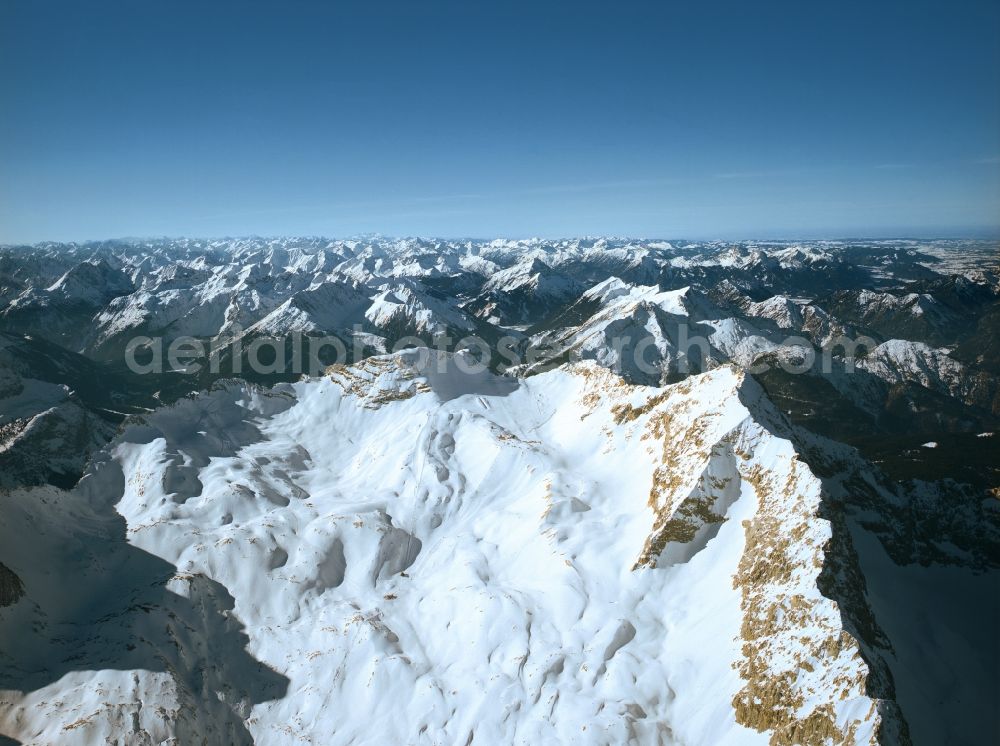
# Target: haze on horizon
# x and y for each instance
(526, 119)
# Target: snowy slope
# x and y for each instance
(565, 558)
(650, 336)
(403, 306)
(47, 430)
(524, 293)
(507, 560)
(63, 311)
(325, 308)
(898, 361)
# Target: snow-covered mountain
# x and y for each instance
(62, 311)
(900, 361)
(712, 492)
(502, 579)
(331, 306)
(403, 309)
(46, 434)
(640, 331)
(54, 412)
(523, 293)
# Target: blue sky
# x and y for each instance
(709, 119)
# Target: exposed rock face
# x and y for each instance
(11, 587)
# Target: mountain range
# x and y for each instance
(576, 491)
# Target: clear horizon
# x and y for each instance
(714, 122)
